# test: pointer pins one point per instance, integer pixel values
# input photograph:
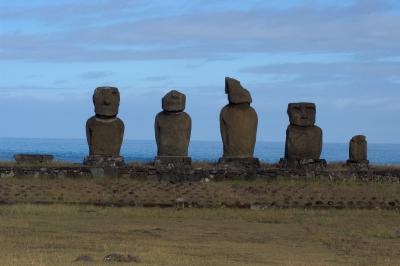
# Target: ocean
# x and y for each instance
(74, 150)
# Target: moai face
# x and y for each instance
(301, 114)
(236, 93)
(106, 101)
(174, 101)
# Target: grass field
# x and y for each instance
(57, 234)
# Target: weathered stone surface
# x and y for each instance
(172, 161)
(358, 149)
(238, 162)
(115, 257)
(174, 101)
(301, 114)
(358, 160)
(33, 158)
(303, 164)
(104, 160)
(358, 166)
(238, 122)
(236, 93)
(106, 101)
(104, 131)
(104, 136)
(173, 128)
(303, 142)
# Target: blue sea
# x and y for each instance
(74, 150)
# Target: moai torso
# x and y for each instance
(238, 122)
(303, 138)
(104, 136)
(303, 142)
(358, 149)
(173, 126)
(104, 131)
(238, 129)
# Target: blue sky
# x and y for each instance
(342, 55)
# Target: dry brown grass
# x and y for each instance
(57, 234)
(239, 193)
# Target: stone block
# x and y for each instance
(33, 158)
(106, 101)
(303, 142)
(104, 161)
(358, 149)
(302, 114)
(174, 101)
(236, 93)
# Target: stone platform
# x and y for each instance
(198, 171)
(358, 166)
(172, 161)
(303, 164)
(238, 162)
(104, 161)
(33, 158)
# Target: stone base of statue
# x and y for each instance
(302, 164)
(239, 162)
(172, 161)
(358, 165)
(104, 161)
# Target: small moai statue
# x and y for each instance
(238, 125)
(303, 139)
(358, 153)
(172, 131)
(105, 131)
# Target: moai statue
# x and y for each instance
(172, 130)
(105, 131)
(358, 153)
(238, 125)
(303, 139)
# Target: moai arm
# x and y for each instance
(89, 136)
(121, 133)
(157, 131)
(189, 132)
(222, 125)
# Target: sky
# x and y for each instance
(342, 55)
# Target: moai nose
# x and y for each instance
(107, 102)
(303, 112)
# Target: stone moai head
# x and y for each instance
(174, 101)
(358, 148)
(106, 101)
(302, 114)
(236, 93)
(359, 139)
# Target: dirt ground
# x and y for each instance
(237, 194)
